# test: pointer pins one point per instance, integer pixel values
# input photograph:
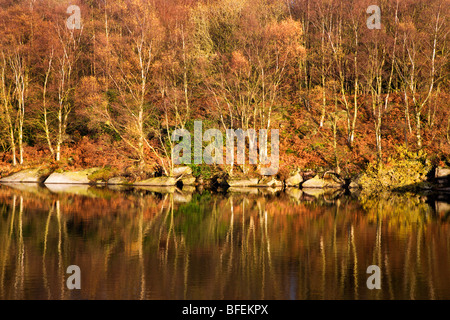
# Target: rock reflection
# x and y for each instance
(254, 244)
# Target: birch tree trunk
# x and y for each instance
(20, 74)
(6, 102)
(44, 103)
(69, 42)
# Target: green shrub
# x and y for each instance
(103, 174)
(203, 170)
(405, 170)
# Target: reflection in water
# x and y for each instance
(259, 244)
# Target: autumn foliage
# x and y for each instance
(111, 93)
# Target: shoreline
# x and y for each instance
(183, 176)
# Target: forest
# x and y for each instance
(111, 91)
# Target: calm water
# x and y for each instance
(167, 244)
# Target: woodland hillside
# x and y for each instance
(112, 92)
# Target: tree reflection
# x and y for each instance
(169, 244)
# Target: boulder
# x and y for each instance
(353, 185)
(76, 177)
(332, 180)
(117, 181)
(158, 181)
(180, 171)
(251, 182)
(329, 180)
(315, 182)
(294, 180)
(29, 176)
(442, 173)
(308, 175)
(270, 182)
(188, 180)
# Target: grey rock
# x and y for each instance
(76, 177)
(329, 180)
(180, 171)
(29, 176)
(117, 181)
(332, 180)
(270, 182)
(252, 182)
(315, 182)
(158, 181)
(353, 185)
(442, 173)
(294, 181)
(188, 180)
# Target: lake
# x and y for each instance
(153, 243)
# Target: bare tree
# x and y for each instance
(336, 40)
(417, 87)
(64, 68)
(20, 75)
(7, 108)
(134, 55)
(45, 111)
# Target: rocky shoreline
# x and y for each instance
(183, 176)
